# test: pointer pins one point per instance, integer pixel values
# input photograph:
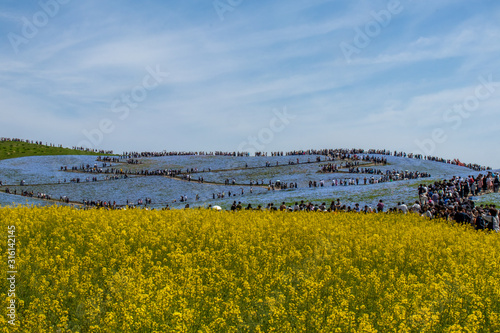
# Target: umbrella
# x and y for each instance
(217, 207)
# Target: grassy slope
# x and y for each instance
(13, 149)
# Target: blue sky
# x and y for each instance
(417, 76)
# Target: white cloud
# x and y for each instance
(226, 77)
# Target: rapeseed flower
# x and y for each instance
(206, 271)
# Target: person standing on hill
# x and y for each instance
(421, 190)
(491, 220)
(428, 213)
(402, 207)
(338, 205)
(416, 207)
(496, 183)
(473, 188)
(380, 206)
(466, 189)
(461, 217)
(478, 219)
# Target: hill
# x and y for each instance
(13, 149)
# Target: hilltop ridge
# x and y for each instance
(13, 148)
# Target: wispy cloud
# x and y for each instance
(227, 76)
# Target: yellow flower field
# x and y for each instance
(207, 271)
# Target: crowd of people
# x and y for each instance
(31, 194)
(38, 195)
(93, 150)
(330, 153)
(333, 153)
(99, 204)
(484, 217)
(326, 152)
(352, 166)
(453, 200)
(340, 152)
(135, 155)
(108, 159)
(461, 187)
(110, 170)
(382, 177)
